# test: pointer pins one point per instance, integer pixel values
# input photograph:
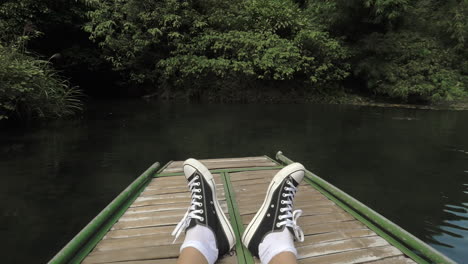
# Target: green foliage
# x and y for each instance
(189, 44)
(385, 11)
(408, 50)
(354, 19)
(32, 18)
(407, 65)
(30, 88)
(262, 56)
(15, 19)
(283, 18)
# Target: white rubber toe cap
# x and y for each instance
(298, 175)
(191, 165)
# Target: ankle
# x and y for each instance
(202, 239)
(275, 244)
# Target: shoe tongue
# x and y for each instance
(192, 223)
(192, 176)
(295, 183)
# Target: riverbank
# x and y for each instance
(455, 105)
(291, 95)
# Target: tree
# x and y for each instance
(189, 44)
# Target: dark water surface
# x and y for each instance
(409, 165)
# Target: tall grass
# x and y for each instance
(30, 88)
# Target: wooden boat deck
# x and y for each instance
(143, 233)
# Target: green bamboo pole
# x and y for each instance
(87, 233)
(390, 227)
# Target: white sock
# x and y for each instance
(275, 243)
(202, 239)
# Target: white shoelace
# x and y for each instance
(192, 211)
(289, 215)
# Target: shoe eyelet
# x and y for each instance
(284, 195)
(278, 225)
(272, 206)
(282, 201)
(202, 219)
(289, 182)
(201, 212)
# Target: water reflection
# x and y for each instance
(409, 165)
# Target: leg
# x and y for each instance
(284, 258)
(209, 234)
(270, 236)
(190, 255)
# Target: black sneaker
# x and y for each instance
(276, 211)
(205, 209)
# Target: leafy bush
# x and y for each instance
(401, 49)
(189, 44)
(30, 88)
(407, 65)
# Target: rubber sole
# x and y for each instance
(275, 182)
(210, 180)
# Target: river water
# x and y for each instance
(409, 165)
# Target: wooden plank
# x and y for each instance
(209, 163)
(168, 182)
(325, 248)
(313, 202)
(137, 242)
(151, 261)
(227, 165)
(253, 175)
(354, 256)
(157, 208)
(310, 209)
(153, 192)
(186, 193)
(336, 235)
(169, 196)
(256, 183)
(147, 222)
(150, 215)
(331, 227)
(224, 260)
(172, 182)
(137, 232)
(156, 214)
(133, 254)
(147, 202)
(313, 219)
(393, 260)
(157, 236)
